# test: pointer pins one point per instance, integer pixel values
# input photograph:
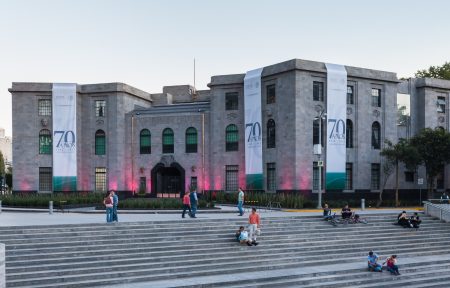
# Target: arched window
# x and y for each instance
(231, 138)
(376, 135)
(100, 142)
(168, 141)
(45, 142)
(349, 134)
(191, 140)
(270, 133)
(145, 142)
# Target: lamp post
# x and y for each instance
(318, 151)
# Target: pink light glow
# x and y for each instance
(113, 183)
(217, 183)
(304, 177)
(24, 186)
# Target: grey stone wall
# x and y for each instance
(2, 266)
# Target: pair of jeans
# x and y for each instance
(240, 204)
(193, 209)
(114, 214)
(393, 269)
(186, 207)
(109, 214)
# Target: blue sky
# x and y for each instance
(149, 44)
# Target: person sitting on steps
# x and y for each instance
(242, 236)
(346, 212)
(391, 265)
(327, 213)
(415, 220)
(403, 220)
(372, 262)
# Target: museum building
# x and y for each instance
(126, 139)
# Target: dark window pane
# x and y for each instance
(270, 91)
(349, 134)
(168, 141)
(376, 97)
(376, 135)
(45, 142)
(271, 177)
(270, 133)
(191, 140)
(317, 91)
(231, 101)
(145, 142)
(100, 142)
(231, 177)
(231, 138)
(316, 176)
(375, 176)
(349, 176)
(45, 179)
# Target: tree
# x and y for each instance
(388, 167)
(402, 152)
(8, 177)
(433, 146)
(2, 164)
(438, 72)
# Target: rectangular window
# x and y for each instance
(349, 94)
(409, 176)
(100, 179)
(143, 185)
(375, 176)
(45, 107)
(317, 91)
(193, 183)
(440, 104)
(348, 176)
(270, 91)
(45, 179)
(376, 97)
(231, 101)
(316, 132)
(316, 177)
(100, 108)
(271, 177)
(231, 177)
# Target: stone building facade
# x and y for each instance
(164, 143)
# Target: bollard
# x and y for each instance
(363, 204)
(50, 207)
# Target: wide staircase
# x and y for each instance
(293, 252)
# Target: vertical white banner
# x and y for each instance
(336, 121)
(64, 99)
(253, 130)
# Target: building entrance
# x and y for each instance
(167, 182)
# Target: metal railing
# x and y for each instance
(441, 210)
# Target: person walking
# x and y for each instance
(194, 203)
(115, 203)
(186, 204)
(240, 202)
(254, 223)
(108, 202)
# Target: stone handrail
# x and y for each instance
(441, 211)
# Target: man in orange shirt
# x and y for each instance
(254, 224)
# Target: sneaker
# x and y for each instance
(255, 243)
(249, 244)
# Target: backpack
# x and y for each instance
(107, 201)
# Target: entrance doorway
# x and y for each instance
(168, 182)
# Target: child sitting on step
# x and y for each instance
(242, 236)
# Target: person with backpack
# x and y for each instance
(194, 203)
(186, 204)
(108, 202)
(391, 265)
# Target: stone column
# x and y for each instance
(2, 266)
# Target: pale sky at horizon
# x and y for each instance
(150, 44)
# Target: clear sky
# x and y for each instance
(149, 44)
